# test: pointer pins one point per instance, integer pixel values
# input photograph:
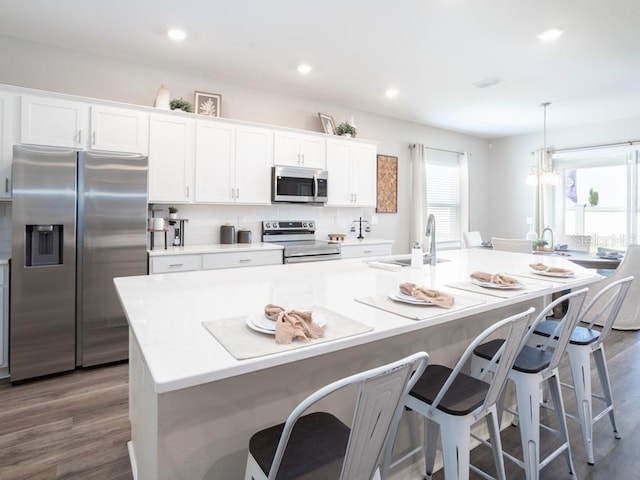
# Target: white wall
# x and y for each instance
(36, 66)
(511, 199)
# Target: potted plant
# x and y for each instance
(593, 197)
(540, 244)
(346, 130)
(180, 104)
(173, 212)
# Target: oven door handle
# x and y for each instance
(311, 258)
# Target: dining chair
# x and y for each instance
(629, 315)
(519, 245)
(472, 239)
(533, 368)
(320, 446)
(584, 341)
(451, 402)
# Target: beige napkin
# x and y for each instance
(541, 267)
(497, 278)
(439, 299)
(292, 324)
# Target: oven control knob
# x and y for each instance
(275, 224)
(268, 225)
(304, 224)
(310, 224)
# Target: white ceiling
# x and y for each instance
(432, 51)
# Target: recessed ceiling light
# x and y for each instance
(304, 68)
(487, 82)
(391, 92)
(550, 34)
(177, 34)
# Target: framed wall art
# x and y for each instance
(208, 104)
(328, 124)
(387, 184)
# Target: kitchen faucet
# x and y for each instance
(431, 231)
(550, 230)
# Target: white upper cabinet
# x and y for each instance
(253, 162)
(6, 143)
(352, 173)
(299, 150)
(119, 130)
(55, 122)
(171, 158)
(233, 163)
(215, 159)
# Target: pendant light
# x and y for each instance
(543, 172)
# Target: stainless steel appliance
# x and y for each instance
(79, 219)
(298, 239)
(299, 185)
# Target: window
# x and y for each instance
(599, 197)
(446, 190)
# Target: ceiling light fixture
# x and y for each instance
(391, 93)
(543, 172)
(176, 34)
(303, 68)
(551, 34)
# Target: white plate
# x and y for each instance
(260, 323)
(495, 285)
(401, 297)
(554, 274)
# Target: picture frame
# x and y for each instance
(208, 104)
(328, 124)
(387, 184)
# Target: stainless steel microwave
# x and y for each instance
(299, 185)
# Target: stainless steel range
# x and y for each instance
(299, 240)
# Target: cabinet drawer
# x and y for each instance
(355, 251)
(175, 263)
(241, 259)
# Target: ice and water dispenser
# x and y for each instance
(43, 245)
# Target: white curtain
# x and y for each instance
(418, 195)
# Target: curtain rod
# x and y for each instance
(591, 147)
(413, 145)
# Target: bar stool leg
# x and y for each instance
(431, 432)
(496, 442)
(456, 442)
(528, 404)
(603, 374)
(558, 408)
(580, 361)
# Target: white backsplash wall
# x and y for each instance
(5, 227)
(204, 222)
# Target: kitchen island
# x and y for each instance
(194, 405)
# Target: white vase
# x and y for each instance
(163, 99)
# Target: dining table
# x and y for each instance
(205, 371)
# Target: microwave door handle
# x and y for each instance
(315, 187)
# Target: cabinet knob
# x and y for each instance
(79, 136)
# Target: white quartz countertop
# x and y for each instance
(214, 248)
(165, 312)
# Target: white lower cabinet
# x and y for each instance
(175, 263)
(241, 259)
(4, 315)
(368, 250)
(212, 261)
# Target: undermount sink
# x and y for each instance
(407, 261)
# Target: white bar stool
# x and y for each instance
(320, 446)
(603, 308)
(532, 368)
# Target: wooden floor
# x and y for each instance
(75, 426)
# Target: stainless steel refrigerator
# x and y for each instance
(78, 220)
